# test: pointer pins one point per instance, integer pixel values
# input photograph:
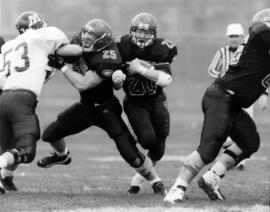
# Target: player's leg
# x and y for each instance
(7, 176)
(247, 141)
(73, 120)
(217, 120)
(242, 164)
(25, 127)
(108, 117)
(161, 122)
(6, 139)
(140, 120)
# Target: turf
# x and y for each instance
(97, 178)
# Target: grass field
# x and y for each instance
(97, 178)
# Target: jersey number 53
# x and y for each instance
(21, 50)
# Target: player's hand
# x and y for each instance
(263, 101)
(56, 61)
(133, 66)
(118, 77)
(137, 66)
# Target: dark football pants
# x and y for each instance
(150, 121)
(223, 117)
(19, 125)
(107, 116)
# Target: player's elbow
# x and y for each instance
(164, 79)
(213, 73)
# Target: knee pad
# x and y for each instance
(147, 140)
(139, 160)
(52, 133)
(25, 151)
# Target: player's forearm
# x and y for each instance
(79, 81)
(159, 77)
(213, 73)
(70, 50)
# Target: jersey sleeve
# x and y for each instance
(215, 67)
(2, 73)
(53, 38)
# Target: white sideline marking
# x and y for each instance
(177, 158)
(257, 208)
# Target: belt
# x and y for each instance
(25, 91)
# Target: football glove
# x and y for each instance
(56, 61)
(118, 77)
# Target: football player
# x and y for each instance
(247, 78)
(24, 62)
(220, 64)
(148, 60)
(2, 74)
(98, 106)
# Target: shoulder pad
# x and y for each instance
(124, 45)
(165, 49)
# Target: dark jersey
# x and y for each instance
(104, 63)
(249, 73)
(160, 54)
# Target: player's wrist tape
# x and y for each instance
(64, 68)
(142, 70)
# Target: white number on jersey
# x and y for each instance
(109, 54)
(168, 43)
(22, 49)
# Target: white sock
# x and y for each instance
(157, 179)
(180, 182)
(137, 180)
(61, 154)
(6, 159)
(219, 168)
(7, 173)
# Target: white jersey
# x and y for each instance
(2, 73)
(25, 58)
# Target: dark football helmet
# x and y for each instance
(29, 20)
(262, 16)
(96, 34)
(143, 29)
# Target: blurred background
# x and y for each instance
(196, 26)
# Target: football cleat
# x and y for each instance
(133, 190)
(7, 183)
(159, 188)
(209, 183)
(175, 195)
(54, 159)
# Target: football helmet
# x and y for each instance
(96, 34)
(262, 16)
(29, 20)
(143, 29)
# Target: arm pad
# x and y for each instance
(164, 79)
